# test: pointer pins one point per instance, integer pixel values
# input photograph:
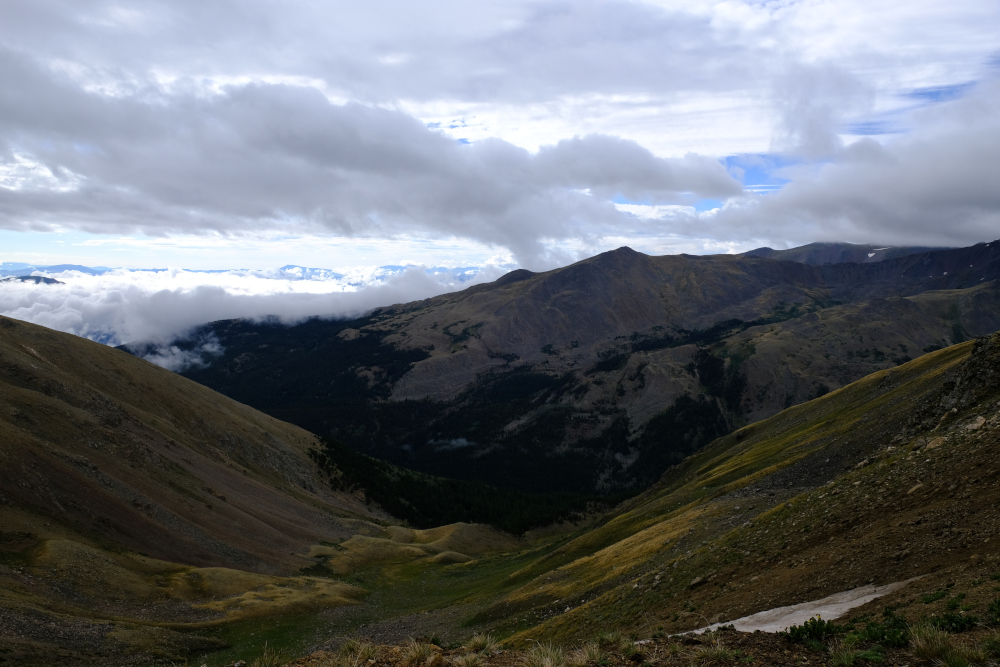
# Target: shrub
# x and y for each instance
(955, 601)
(993, 612)
(892, 631)
(815, 629)
(933, 597)
(954, 623)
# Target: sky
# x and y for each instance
(224, 134)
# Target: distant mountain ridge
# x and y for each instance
(838, 253)
(601, 374)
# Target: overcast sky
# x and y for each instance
(227, 134)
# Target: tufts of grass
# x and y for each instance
(467, 660)
(544, 655)
(269, 657)
(611, 639)
(588, 654)
(354, 653)
(415, 653)
(817, 646)
(991, 646)
(842, 653)
(928, 642)
(713, 652)
(673, 648)
(483, 642)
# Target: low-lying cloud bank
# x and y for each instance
(157, 307)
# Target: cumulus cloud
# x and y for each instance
(159, 306)
(935, 186)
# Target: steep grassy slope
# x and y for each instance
(598, 376)
(107, 445)
(145, 519)
(134, 503)
(891, 477)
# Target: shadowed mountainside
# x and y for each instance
(892, 477)
(599, 375)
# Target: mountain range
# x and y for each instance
(146, 519)
(596, 377)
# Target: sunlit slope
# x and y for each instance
(754, 522)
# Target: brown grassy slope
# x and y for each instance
(99, 445)
(833, 347)
(752, 522)
(622, 291)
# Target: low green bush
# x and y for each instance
(954, 623)
(993, 612)
(815, 629)
(933, 597)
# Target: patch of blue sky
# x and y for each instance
(463, 141)
(760, 172)
(933, 94)
(707, 205)
(622, 199)
(870, 128)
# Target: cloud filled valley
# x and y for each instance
(122, 306)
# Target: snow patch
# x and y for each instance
(834, 606)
